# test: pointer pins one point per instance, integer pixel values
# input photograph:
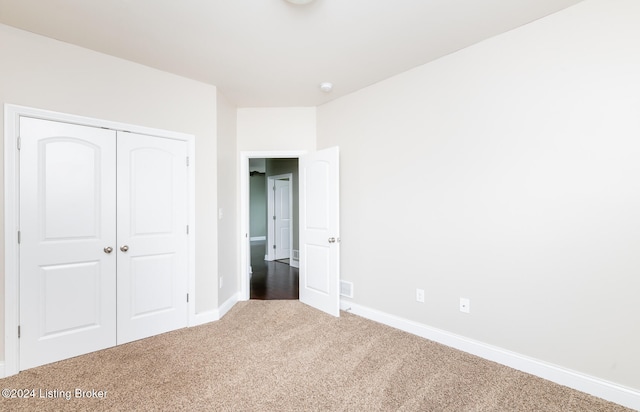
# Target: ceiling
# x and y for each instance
(272, 53)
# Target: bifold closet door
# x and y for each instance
(152, 236)
(103, 238)
(67, 240)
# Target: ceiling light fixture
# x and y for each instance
(300, 2)
(326, 87)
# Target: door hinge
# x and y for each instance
(274, 218)
(187, 298)
(19, 237)
(18, 331)
(187, 229)
(19, 142)
(187, 160)
(274, 246)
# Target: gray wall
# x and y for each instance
(508, 174)
(257, 205)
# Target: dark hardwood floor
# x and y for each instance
(271, 280)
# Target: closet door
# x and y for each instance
(152, 236)
(67, 240)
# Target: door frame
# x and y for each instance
(244, 247)
(12, 114)
(271, 234)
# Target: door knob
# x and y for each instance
(332, 240)
(124, 248)
(108, 249)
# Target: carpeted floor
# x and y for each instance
(285, 356)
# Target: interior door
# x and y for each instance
(152, 236)
(320, 230)
(67, 240)
(282, 219)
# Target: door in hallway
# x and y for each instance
(282, 218)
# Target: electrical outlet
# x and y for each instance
(420, 295)
(465, 305)
(221, 278)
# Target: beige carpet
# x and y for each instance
(284, 356)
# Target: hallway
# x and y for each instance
(271, 280)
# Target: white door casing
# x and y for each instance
(67, 221)
(320, 230)
(152, 236)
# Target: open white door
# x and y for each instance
(320, 230)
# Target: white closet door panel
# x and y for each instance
(67, 218)
(151, 284)
(152, 236)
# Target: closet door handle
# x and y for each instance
(108, 249)
(124, 248)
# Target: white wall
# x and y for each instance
(276, 128)
(507, 173)
(266, 131)
(47, 74)
(228, 183)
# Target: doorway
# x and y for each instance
(319, 231)
(273, 247)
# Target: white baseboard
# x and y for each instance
(258, 238)
(576, 380)
(215, 314)
(294, 263)
(2, 371)
(228, 304)
(205, 317)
